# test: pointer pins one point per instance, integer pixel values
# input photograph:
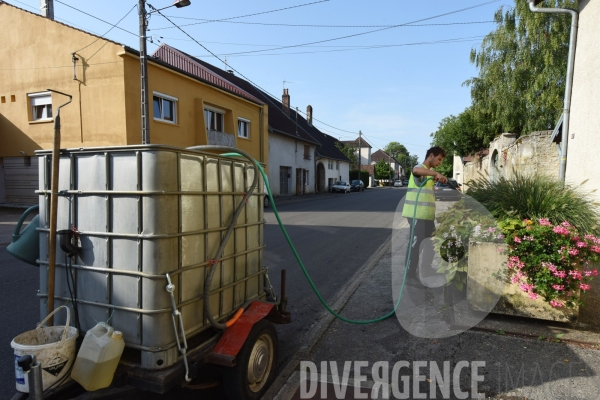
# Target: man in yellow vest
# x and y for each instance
(423, 221)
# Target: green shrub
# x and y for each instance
(364, 176)
(537, 196)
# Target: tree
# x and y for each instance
(349, 151)
(395, 148)
(522, 69)
(459, 135)
(383, 170)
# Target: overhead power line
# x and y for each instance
(243, 16)
(111, 28)
(328, 26)
(93, 16)
(444, 41)
(368, 32)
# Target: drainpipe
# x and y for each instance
(260, 127)
(569, 84)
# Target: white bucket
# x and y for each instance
(54, 349)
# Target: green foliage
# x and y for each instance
(396, 150)
(459, 135)
(551, 261)
(350, 152)
(383, 170)
(364, 176)
(534, 197)
(522, 69)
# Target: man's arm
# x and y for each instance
(420, 171)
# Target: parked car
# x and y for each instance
(357, 186)
(341, 186)
(454, 183)
(405, 182)
(398, 183)
(446, 191)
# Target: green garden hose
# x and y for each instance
(310, 281)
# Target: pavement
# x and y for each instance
(427, 356)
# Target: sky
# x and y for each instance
(396, 72)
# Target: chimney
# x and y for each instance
(47, 9)
(285, 102)
(309, 115)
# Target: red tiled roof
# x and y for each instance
(182, 61)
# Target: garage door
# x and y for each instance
(21, 180)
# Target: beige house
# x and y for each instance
(189, 104)
(584, 129)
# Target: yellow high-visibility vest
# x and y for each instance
(425, 205)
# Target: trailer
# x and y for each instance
(166, 245)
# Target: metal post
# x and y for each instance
(144, 73)
(54, 208)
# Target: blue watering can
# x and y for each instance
(26, 245)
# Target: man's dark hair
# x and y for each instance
(436, 151)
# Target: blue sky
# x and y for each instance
(398, 93)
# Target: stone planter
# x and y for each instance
(487, 265)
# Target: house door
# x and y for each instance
(299, 180)
(284, 184)
(321, 178)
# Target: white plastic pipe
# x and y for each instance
(569, 84)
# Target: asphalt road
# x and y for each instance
(334, 235)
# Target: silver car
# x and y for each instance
(398, 183)
(341, 186)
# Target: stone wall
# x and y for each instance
(531, 154)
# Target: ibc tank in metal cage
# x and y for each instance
(142, 212)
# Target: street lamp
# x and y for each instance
(144, 64)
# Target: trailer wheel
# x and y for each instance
(255, 365)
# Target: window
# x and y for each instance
(243, 128)
(41, 106)
(214, 119)
(307, 152)
(165, 107)
(337, 165)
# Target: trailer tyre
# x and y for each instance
(255, 365)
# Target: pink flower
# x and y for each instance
(526, 287)
(551, 267)
(576, 275)
(560, 274)
(595, 249)
(573, 252)
(584, 286)
(581, 244)
(517, 239)
(590, 237)
(534, 296)
(514, 279)
(559, 287)
(560, 230)
(555, 303)
(566, 224)
(544, 222)
(593, 272)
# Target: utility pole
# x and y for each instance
(359, 139)
(144, 73)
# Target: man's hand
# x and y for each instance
(440, 178)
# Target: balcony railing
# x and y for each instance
(221, 138)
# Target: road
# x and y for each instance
(334, 235)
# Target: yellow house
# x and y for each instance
(189, 104)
